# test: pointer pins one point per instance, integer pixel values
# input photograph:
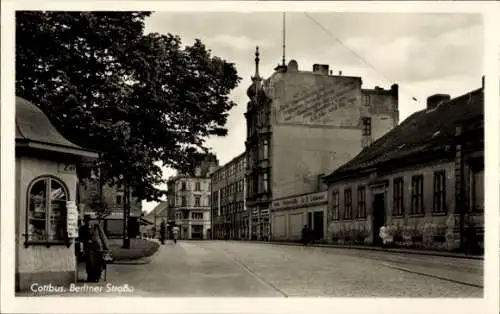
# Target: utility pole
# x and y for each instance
(126, 214)
(459, 175)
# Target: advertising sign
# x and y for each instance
(72, 219)
(302, 200)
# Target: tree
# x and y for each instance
(137, 98)
(99, 206)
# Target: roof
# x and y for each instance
(34, 129)
(422, 131)
(158, 210)
(230, 162)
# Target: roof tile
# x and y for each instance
(420, 131)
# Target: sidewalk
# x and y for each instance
(380, 249)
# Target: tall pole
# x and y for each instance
(126, 208)
(284, 37)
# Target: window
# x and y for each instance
(266, 149)
(367, 126)
(183, 186)
(197, 215)
(477, 190)
(439, 192)
(347, 203)
(208, 201)
(398, 197)
(197, 201)
(366, 100)
(197, 186)
(183, 201)
(417, 195)
(335, 205)
(361, 202)
(118, 199)
(265, 181)
(47, 210)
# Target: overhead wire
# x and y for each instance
(353, 52)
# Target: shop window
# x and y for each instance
(439, 192)
(46, 212)
(398, 197)
(417, 195)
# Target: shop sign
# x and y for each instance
(302, 200)
(66, 168)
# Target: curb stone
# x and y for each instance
(367, 248)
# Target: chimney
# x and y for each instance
(482, 82)
(321, 68)
(436, 99)
(395, 90)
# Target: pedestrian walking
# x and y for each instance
(305, 235)
(162, 231)
(175, 233)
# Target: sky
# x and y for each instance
(424, 53)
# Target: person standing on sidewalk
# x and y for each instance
(162, 231)
(93, 246)
(305, 235)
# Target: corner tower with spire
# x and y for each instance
(257, 146)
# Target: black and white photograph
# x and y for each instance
(252, 152)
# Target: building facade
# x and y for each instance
(291, 214)
(301, 124)
(423, 181)
(113, 199)
(189, 201)
(230, 219)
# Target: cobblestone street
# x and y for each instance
(244, 269)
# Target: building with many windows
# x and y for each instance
(230, 219)
(300, 125)
(189, 200)
(423, 180)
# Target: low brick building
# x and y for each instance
(423, 180)
(46, 180)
